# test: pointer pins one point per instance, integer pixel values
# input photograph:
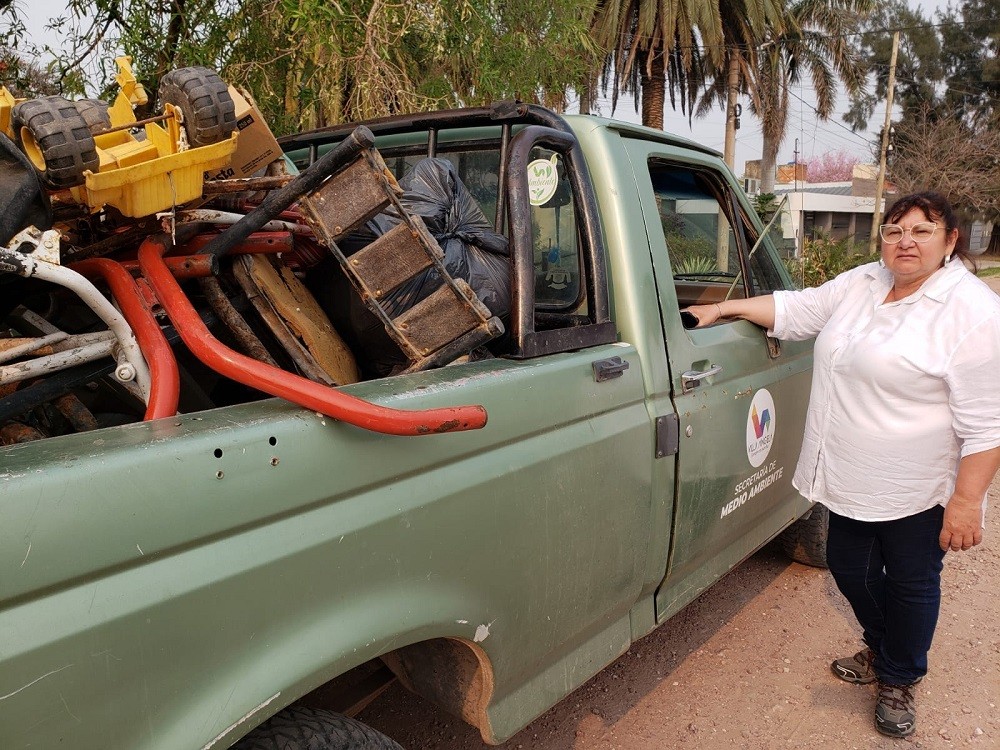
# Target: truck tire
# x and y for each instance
(56, 139)
(203, 98)
(95, 113)
(805, 540)
(300, 728)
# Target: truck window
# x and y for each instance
(553, 219)
(557, 258)
(708, 238)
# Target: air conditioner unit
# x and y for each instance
(751, 185)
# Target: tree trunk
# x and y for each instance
(653, 79)
(768, 163)
(587, 87)
(166, 56)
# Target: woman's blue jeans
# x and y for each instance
(890, 573)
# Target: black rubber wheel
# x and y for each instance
(56, 139)
(204, 100)
(95, 114)
(805, 540)
(299, 728)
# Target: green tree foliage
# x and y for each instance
(310, 63)
(919, 68)
(970, 43)
(948, 68)
(23, 77)
(20, 71)
(765, 204)
(655, 47)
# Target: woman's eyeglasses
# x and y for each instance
(893, 233)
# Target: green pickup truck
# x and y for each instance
(202, 581)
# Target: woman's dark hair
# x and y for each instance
(936, 208)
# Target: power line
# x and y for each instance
(853, 133)
(799, 123)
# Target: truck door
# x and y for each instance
(741, 398)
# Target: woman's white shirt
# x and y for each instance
(900, 390)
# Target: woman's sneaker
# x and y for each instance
(895, 712)
(858, 669)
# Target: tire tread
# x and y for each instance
(62, 136)
(301, 728)
(203, 97)
(805, 540)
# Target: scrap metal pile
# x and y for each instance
(135, 286)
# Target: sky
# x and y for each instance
(806, 133)
(814, 137)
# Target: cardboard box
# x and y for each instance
(256, 146)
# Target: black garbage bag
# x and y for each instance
(23, 202)
(473, 252)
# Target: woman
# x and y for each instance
(902, 436)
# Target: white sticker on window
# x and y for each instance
(761, 424)
(543, 179)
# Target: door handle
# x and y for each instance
(691, 378)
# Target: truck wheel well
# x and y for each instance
(452, 673)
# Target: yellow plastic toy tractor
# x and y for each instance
(92, 150)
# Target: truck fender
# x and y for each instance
(435, 661)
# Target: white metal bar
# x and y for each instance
(227, 217)
(31, 346)
(28, 267)
(55, 362)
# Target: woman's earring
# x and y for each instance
(881, 262)
(947, 259)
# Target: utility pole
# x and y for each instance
(732, 116)
(880, 182)
(795, 166)
(799, 229)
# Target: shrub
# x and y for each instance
(696, 264)
(765, 204)
(823, 258)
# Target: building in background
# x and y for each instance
(835, 210)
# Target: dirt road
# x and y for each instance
(746, 667)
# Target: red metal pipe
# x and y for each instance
(258, 243)
(286, 385)
(181, 266)
(164, 377)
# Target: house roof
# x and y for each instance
(829, 188)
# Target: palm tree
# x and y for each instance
(744, 34)
(813, 41)
(652, 47)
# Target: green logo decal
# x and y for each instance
(543, 179)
